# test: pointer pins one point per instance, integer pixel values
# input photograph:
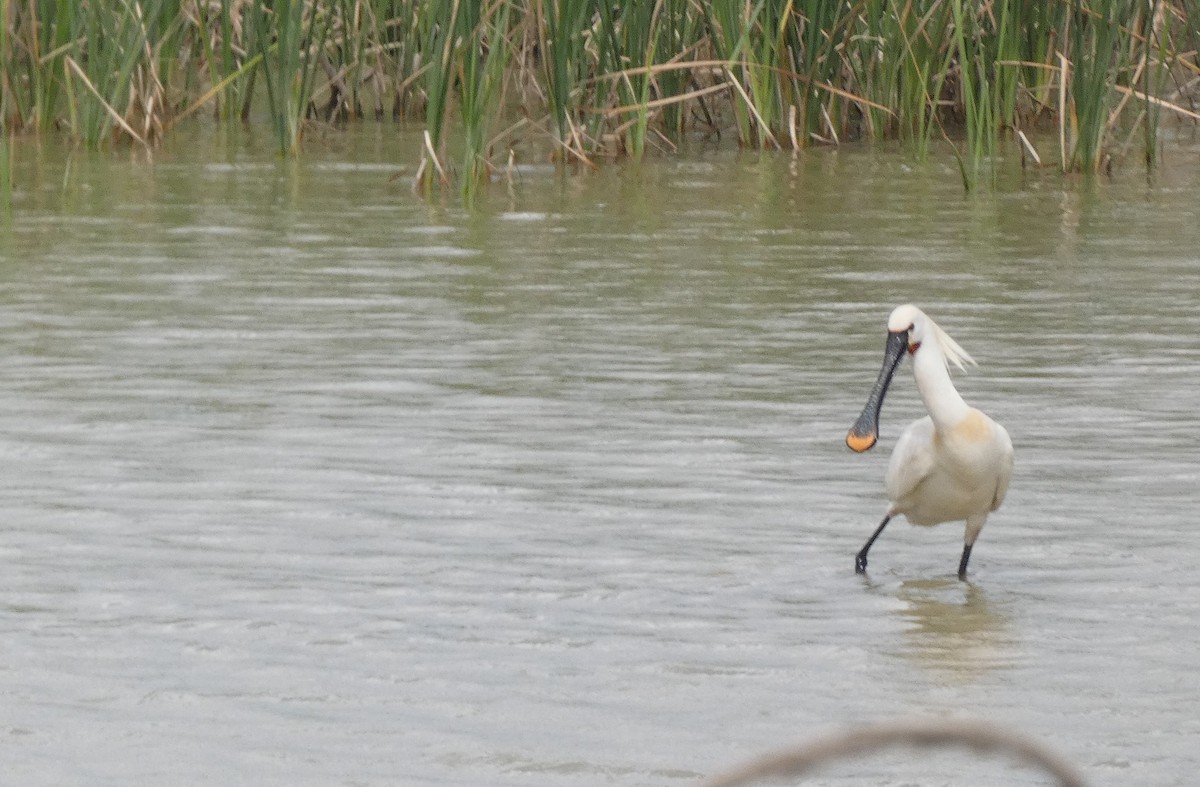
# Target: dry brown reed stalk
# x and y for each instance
(116, 116)
(1028, 148)
(1063, 117)
(148, 102)
(1158, 102)
(980, 737)
(601, 79)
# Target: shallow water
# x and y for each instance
(307, 481)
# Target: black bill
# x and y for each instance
(865, 431)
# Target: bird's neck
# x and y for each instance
(946, 407)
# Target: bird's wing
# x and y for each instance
(912, 459)
(1006, 466)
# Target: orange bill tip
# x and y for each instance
(860, 442)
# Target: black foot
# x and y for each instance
(860, 564)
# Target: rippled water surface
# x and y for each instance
(304, 480)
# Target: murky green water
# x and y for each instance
(306, 481)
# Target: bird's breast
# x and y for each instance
(973, 431)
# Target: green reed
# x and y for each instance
(564, 64)
(6, 175)
(811, 47)
(481, 78)
(678, 29)
(109, 71)
(919, 39)
(636, 33)
(1153, 73)
(226, 41)
(731, 24)
(1094, 39)
(441, 31)
(598, 79)
(290, 35)
(32, 47)
(985, 44)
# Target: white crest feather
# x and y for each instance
(950, 349)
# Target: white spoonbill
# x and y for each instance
(954, 463)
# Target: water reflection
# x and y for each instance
(953, 628)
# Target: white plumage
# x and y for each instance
(952, 465)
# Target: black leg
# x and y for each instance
(962, 564)
(860, 562)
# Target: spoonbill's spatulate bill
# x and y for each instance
(955, 463)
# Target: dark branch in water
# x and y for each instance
(981, 737)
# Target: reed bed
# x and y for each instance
(596, 80)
